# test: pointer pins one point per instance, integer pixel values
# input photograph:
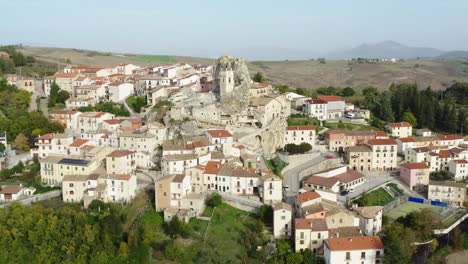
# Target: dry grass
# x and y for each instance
(307, 74)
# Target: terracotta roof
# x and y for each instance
(448, 183)
(213, 167)
(354, 243)
(444, 154)
(134, 120)
(368, 211)
(316, 225)
(408, 139)
(302, 223)
(381, 134)
(401, 124)
(125, 177)
(99, 114)
(317, 101)
(113, 121)
(219, 133)
(47, 136)
(359, 149)
(120, 153)
(178, 178)
(78, 142)
(11, 189)
(416, 165)
(115, 83)
(329, 98)
(461, 161)
(307, 196)
(449, 137)
(386, 141)
(302, 127)
(87, 147)
(322, 181)
(66, 75)
(281, 206)
(349, 176)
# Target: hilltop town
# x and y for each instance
(191, 134)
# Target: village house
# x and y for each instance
(126, 69)
(92, 120)
(138, 141)
(400, 130)
(459, 169)
(338, 140)
(336, 179)
(310, 234)
(316, 108)
(265, 109)
(335, 106)
(62, 116)
(384, 154)
(405, 143)
(300, 134)
(132, 123)
(451, 193)
(415, 175)
(370, 219)
(282, 220)
(111, 125)
(119, 91)
(65, 81)
(75, 102)
(424, 132)
(219, 137)
(449, 140)
(260, 89)
(359, 158)
(177, 163)
(52, 144)
(121, 162)
(354, 250)
(91, 91)
(11, 193)
(54, 168)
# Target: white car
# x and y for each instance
(286, 187)
(349, 115)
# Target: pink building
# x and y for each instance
(415, 174)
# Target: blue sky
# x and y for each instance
(211, 28)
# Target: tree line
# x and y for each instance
(16, 59)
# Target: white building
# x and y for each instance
(459, 168)
(300, 134)
(400, 130)
(282, 220)
(310, 234)
(354, 250)
(219, 137)
(316, 108)
(405, 143)
(121, 162)
(118, 91)
(335, 106)
(370, 219)
(55, 144)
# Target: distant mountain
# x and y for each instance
(453, 54)
(270, 53)
(386, 49)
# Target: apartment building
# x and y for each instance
(310, 234)
(54, 168)
(359, 158)
(138, 141)
(415, 175)
(354, 250)
(282, 220)
(370, 219)
(384, 154)
(300, 134)
(52, 144)
(121, 162)
(338, 140)
(459, 168)
(452, 193)
(316, 108)
(400, 130)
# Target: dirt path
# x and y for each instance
(458, 257)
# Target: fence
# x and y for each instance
(424, 201)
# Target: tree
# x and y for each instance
(397, 241)
(409, 117)
(457, 238)
(309, 257)
(348, 91)
(123, 249)
(2, 148)
(265, 213)
(175, 227)
(215, 200)
(386, 112)
(173, 251)
(21, 142)
(258, 77)
(441, 175)
(371, 97)
(294, 258)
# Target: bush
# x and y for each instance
(442, 175)
(215, 200)
(136, 102)
(173, 251)
(297, 149)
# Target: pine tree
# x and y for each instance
(452, 120)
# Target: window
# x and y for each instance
(283, 217)
(319, 235)
(71, 184)
(348, 255)
(302, 235)
(363, 255)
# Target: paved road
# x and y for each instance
(291, 177)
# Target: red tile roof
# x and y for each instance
(322, 181)
(317, 101)
(443, 154)
(449, 137)
(329, 98)
(120, 153)
(302, 127)
(307, 196)
(219, 133)
(381, 134)
(416, 165)
(354, 243)
(213, 167)
(11, 189)
(384, 141)
(115, 83)
(47, 136)
(66, 75)
(401, 124)
(78, 142)
(113, 121)
(125, 177)
(461, 161)
(406, 140)
(99, 114)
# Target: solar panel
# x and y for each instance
(74, 161)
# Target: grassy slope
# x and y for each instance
(307, 74)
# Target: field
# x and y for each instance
(302, 120)
(307, 74)
(224, 238)
(374, 198)
(410, 206)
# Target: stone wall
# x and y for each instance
(324, 165)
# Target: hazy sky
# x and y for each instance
(213, 27)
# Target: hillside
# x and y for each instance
(307, 74)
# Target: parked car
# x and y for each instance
(286, 187)
(329, 157)
(344, 192)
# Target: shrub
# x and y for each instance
(215, 200)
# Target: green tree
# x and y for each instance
(175, 227)
(173, 251)
(397, 241)
(265, 213)
(258, 77)
(215, 200)
(441, 175)
(457, 238)
(123, 250)
(309, 257)
(294, 258)
(410, 118)
(371, 97)
(348, 91)
(2, 148)
(386, 112)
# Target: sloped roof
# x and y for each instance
(354, 243)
